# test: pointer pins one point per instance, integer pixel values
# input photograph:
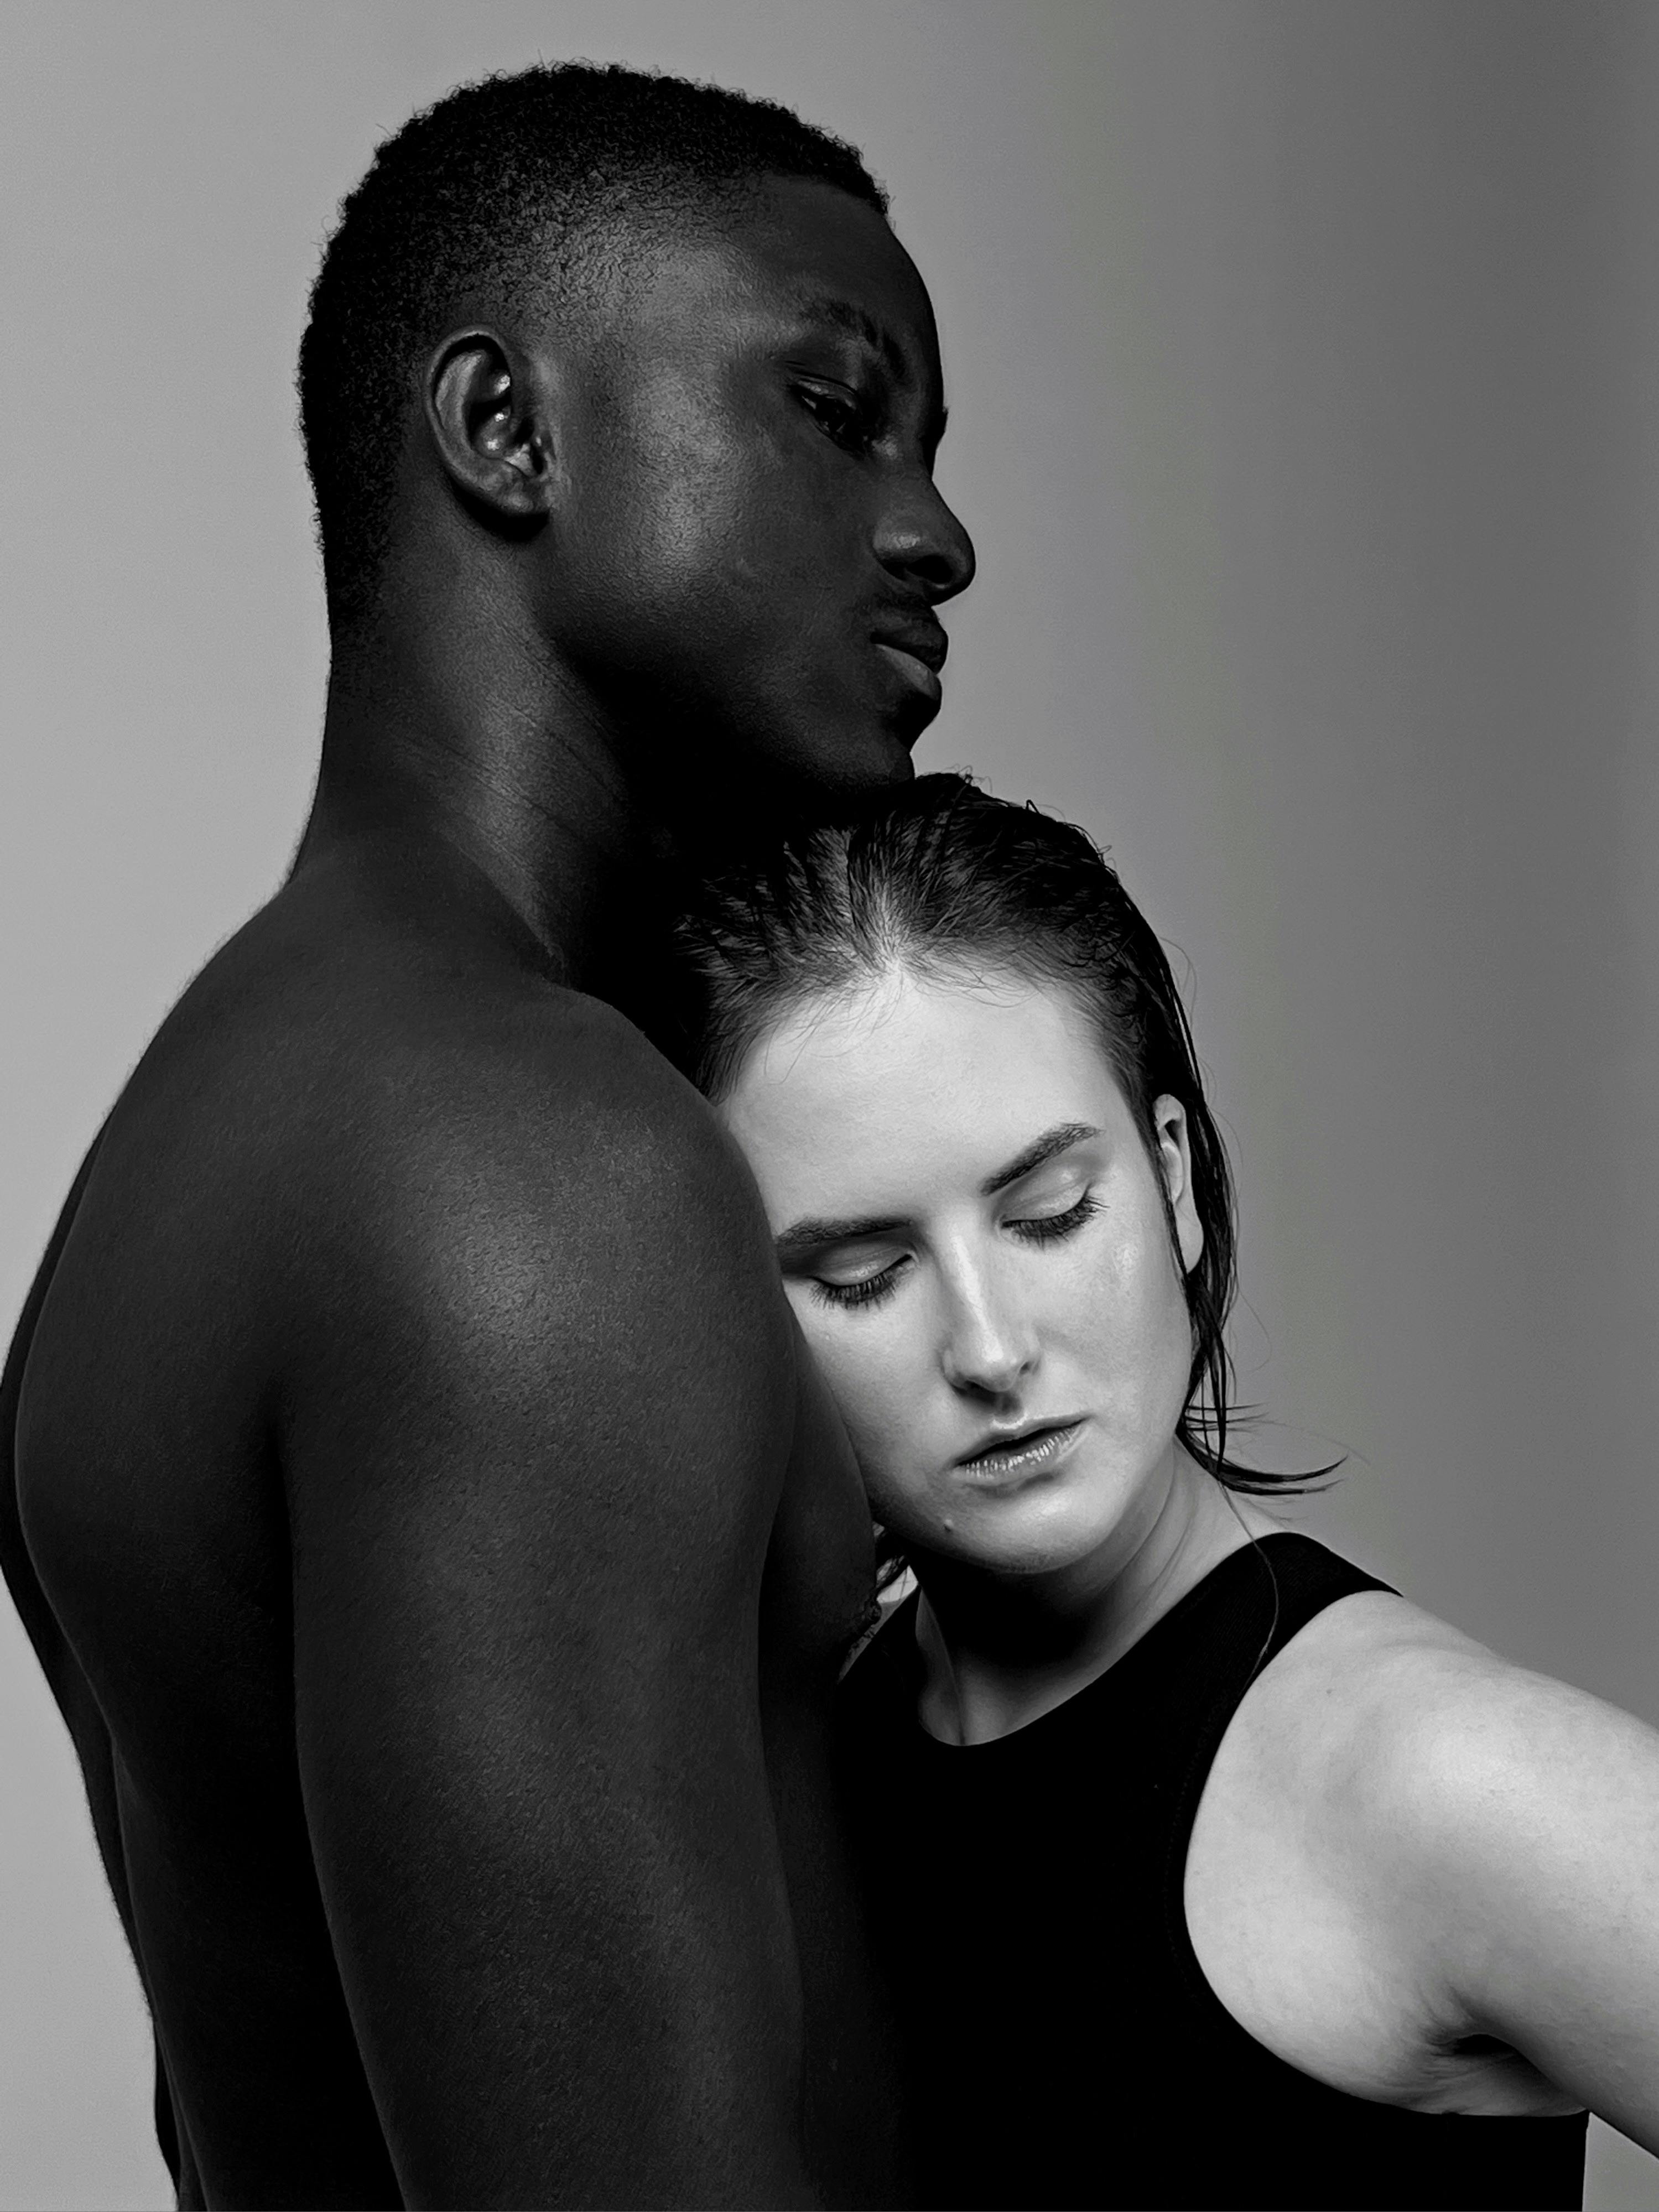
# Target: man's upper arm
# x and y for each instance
(534, 1442)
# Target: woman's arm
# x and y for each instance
(1523, 1827)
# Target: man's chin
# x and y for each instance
(866, 776)
(881, 753)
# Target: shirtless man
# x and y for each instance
(422, 1507)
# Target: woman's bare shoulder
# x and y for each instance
(1397, 1694)
(1477, 1846)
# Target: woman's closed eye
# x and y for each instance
(867, 1282)
(1050, 1228)
(864, 1286)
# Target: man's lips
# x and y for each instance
(921, 637)
(913, 668)
(916, 647)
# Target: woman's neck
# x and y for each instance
(1000, 1650)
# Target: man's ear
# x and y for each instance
(483, 412)
(1175, 1155)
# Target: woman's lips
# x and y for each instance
(1033, 1452)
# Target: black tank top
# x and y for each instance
(1005, 1880)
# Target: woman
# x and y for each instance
(1211, 1871)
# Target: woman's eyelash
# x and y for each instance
(1034, 1228)
(1048, 1228)
(869, 1293)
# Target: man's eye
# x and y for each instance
(841, 415)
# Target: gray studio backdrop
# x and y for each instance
(1303, 363)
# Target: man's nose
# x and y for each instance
(919, 540)
(990, 1347)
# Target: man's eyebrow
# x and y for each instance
(1057, 1140)
(858, 322)
(811, 1234)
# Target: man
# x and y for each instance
(422, 1510)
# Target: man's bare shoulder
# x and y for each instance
(372, 1059)
(535, 1092)
(380, 1150)
(522, 1159)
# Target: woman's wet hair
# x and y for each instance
(940, 879)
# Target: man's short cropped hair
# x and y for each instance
(501, 186)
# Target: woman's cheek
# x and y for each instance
(825, 1332)
(867, 1385)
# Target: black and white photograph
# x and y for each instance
(829, 1159)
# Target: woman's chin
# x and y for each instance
(1076, 1519)
(1014, 1542)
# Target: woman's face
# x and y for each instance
(972, 1236)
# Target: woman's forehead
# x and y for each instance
(910, 1072)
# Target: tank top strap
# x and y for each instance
(1244, 1614)
(1002, 1878)
(1208, 1650)
(1179, 1684)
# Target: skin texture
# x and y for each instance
(1416, 1873)
(440, 1549)
(711, 549)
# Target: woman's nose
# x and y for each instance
(990, 1347)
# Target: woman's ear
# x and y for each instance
(482, 414)
(1175, 1154)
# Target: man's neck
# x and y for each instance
(492, 752)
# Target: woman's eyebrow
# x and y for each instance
(811, 1234)
(1057, 1140)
